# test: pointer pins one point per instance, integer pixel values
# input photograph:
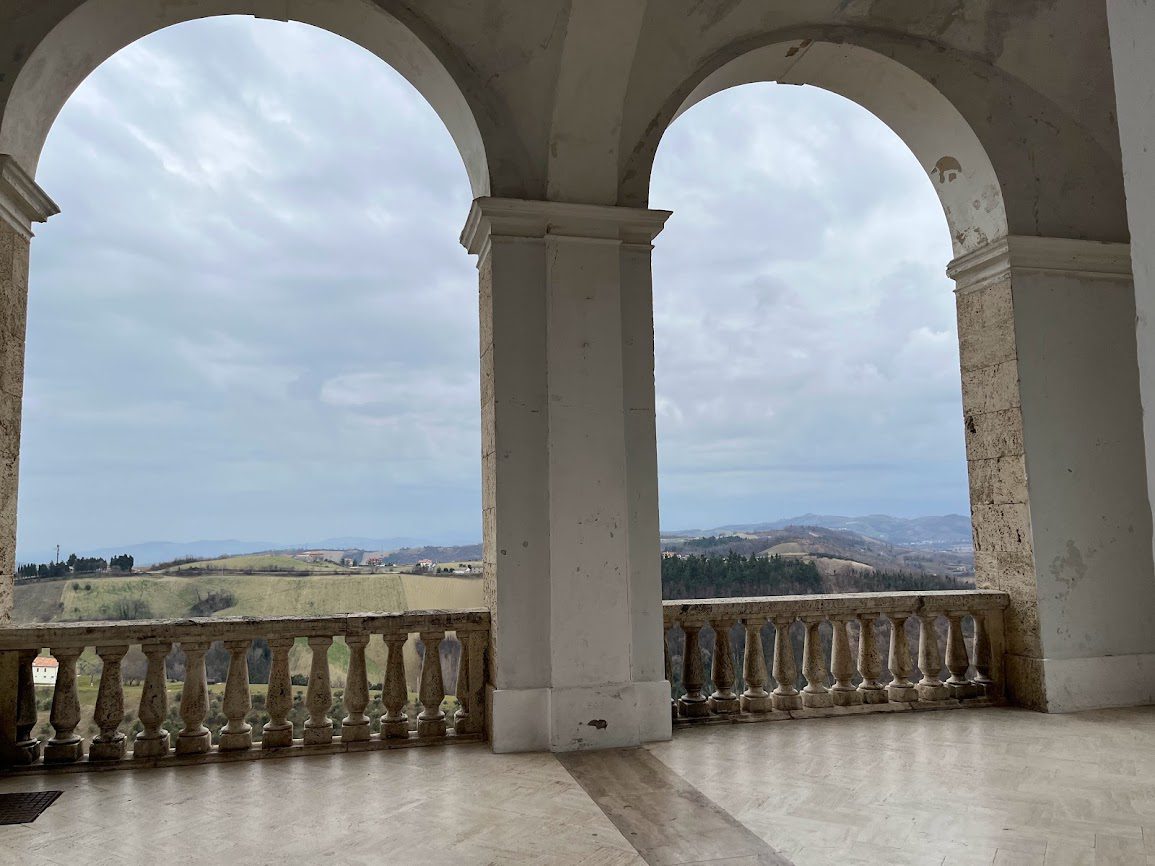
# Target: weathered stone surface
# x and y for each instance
(990, 388)
(86, 634)
(986, 327)
(994, 434)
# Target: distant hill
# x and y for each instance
(151, 552)
(252, 562)
(943, 532)
(834, 550)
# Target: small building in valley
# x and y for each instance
(44, 671)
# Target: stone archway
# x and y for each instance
(97, 29)
(1049, 370)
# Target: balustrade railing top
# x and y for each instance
(851, 602)
(16, 637)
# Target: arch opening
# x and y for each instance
(821, 322)
(234, 251)
(98, 29)
(940, 138)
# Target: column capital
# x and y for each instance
(22, 202)
(998, 259)
(521, 218)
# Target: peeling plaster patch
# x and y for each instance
(949, 169)
(600, 724)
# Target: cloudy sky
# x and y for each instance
(253, 320)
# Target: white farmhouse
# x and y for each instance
(44, 671)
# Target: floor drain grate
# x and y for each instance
(25, 808)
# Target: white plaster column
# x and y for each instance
(570, 497)
(1132, 29)
(1056, 459)
(22, 202)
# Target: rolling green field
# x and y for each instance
(254, 562)
(174, 596)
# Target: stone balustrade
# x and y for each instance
(193, 638)
(836, 679)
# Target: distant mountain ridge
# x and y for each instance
(152, 552)
(945, 530)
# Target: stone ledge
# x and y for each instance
(705, 609)
(297, 750)
(837, 712)
(86, 634)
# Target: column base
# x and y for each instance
(27, 752)
(235, 742)
(786, 702)
(63, 751)
(111, 750)
(903, 694)
(762, 704)
(278, 737)
(150, 747)
(584, 717)
(357, 732)
(430, 727)
(962, 691)
(318, 735)
(194, 744)
(848, 697)
(816, 700)
(688, 709)
(1072, 685)
(931, 692)
(724, 706)
(398, 730)
(873, 696)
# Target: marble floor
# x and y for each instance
(992, 786)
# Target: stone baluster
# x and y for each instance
(984, 657)
(843, 693)
(930, 687)
(785, 695)
(693, 704)
(957, 660)
(724, 699)
(194, 738)
(667, 627)
(469, 718)
(394, 690)
(152, 742)
(237, 734)
(900, 688)
(27, 746)
(755, 699)
(815, 695)
(278, 730)
(355, 725)
(109, 744)
(65, 746)
(870, 661)
(319, 696)
(431, 719)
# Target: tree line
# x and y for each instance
(75, 565)
(736, 576)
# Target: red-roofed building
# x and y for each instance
(44, 671)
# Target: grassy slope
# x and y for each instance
(254, 562)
